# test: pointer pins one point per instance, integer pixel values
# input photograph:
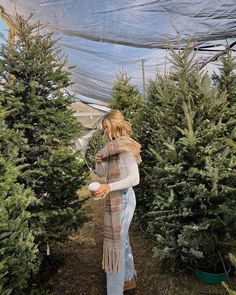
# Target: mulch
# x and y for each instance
(81, 272)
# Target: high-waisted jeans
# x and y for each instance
(115, 281)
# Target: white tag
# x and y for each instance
(48, 249)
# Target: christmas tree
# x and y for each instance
(127, 99)
(18, 251)
(194, 167)
(96, 142)
(147, 134)
(34, 81)
(226, 79)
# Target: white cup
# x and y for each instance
(94, 186)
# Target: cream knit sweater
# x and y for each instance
(129, 173)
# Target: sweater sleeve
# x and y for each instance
(100, 169)
(132, 177)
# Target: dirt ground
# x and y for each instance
(82, 274)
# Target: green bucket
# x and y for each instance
(212, 278)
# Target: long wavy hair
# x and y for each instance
(118, 124)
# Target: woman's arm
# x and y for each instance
(132, 177)
(100, 169)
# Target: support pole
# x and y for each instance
(143, 74)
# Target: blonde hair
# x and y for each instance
(116, 121)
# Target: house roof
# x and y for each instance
(87, 115)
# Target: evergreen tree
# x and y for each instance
(18, 251)
(226, 79)
(148, 136)
(195, 168)
(96, 142)
(34, 81)
(127, 99)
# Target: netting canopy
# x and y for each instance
(104, 37)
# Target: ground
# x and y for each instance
(81, 273)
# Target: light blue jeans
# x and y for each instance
(115, 281)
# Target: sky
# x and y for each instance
(3, 29)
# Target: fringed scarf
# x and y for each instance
(112, 228)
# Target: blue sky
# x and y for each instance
(3, 28)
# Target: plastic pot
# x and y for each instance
(212, 278)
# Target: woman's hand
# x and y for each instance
(102, 191)
(98, 158)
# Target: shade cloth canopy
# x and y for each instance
(104, 37)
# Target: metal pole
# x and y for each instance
(143, 74)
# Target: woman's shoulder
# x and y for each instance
(127, 155)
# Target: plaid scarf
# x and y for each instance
(112, 226)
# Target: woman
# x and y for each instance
(118, 160)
